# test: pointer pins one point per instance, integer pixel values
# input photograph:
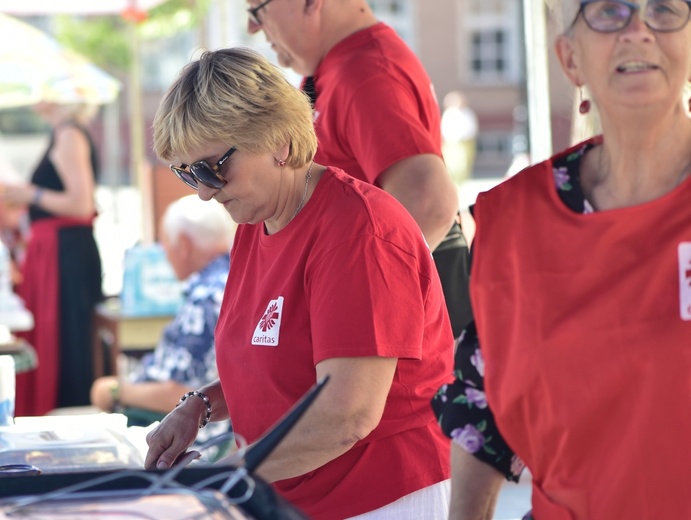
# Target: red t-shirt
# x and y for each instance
(585, 326)
(349, 276)
(376, 105)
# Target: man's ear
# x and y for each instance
(184, 246)
(568, 60)
(312, 6)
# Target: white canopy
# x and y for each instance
(85, 7)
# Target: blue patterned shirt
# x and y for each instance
(186, 352)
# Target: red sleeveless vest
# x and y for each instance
(585, 326)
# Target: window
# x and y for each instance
(494, 144)
(494, 153)
(488, 54)
(495, 45)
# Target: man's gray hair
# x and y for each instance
(207, 224)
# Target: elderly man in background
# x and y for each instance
(197, 238)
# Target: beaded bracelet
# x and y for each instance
(207, 402)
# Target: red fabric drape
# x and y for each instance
(37, 390)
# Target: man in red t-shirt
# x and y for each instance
(376, 117)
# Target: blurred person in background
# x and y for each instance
(376, 116)
(581, 290)
(61, 272)
(13, 221)
(197, 238)
(329, 276)
(458, 130)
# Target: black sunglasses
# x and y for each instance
(201, 172)
(608, 16)
(254, 12)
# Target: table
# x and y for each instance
(115, 333)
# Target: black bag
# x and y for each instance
(452, 259)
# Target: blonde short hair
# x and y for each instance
(237, 97)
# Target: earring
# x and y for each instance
(584, 106)
(281, 162)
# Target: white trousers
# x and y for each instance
(430, 503)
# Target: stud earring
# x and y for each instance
(281, 162)
(584, 106)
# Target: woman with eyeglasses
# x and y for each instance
(579, 358)
(329, 275)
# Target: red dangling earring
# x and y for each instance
(584, 106)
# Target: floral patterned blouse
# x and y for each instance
(461, 407)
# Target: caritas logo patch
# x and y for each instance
(685, 280)
(267, 330)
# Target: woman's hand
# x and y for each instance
(177, 431)
(16, 195)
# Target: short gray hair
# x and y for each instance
(207, 224)
(563, 12)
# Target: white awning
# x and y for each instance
(84, 7)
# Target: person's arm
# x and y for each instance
(480, 457)
(179, 428)
(157, 396)
(347, 410)
(475, 486)
(424, 187)
(71, 156)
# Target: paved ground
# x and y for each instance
(514, 500)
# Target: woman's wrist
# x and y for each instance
(206, 417)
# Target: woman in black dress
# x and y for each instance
(62, 268)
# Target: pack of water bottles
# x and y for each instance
(149, 287)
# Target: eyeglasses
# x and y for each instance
(254, 12)
(607, 16)
(201, 172)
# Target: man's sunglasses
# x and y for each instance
(201, 172)
(254, 12)
(608, 16)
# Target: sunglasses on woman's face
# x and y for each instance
(201, 172)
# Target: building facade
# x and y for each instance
(477, 47)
